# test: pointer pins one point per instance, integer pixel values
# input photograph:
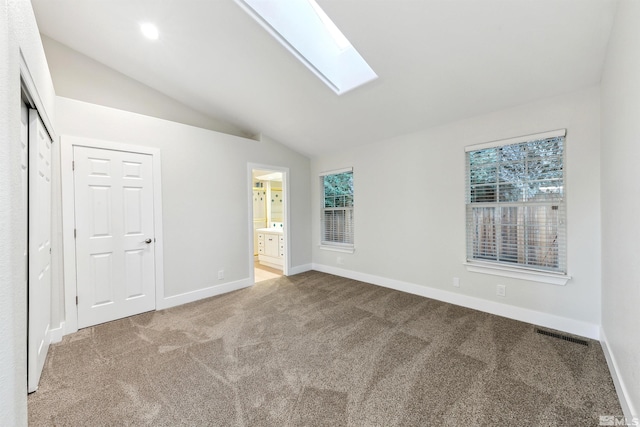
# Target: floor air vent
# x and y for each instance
(562, 337)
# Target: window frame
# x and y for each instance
(508, 269)
(329, 244)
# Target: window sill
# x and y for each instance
(346, 250)
(517, 273)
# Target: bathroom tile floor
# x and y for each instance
(262, 272)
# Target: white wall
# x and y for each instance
(410, 213)
(205, 185)
(621, 203)
(18, 33)
(77, 76)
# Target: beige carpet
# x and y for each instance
(316, 349)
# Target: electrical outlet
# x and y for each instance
(456, 282)
(501, 290)
(340, 261)
(220, 274)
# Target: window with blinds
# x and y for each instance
(515, 202)
(337, 208)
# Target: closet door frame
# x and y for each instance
(31, 98)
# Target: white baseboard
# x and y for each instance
(299, 269)
(539, 318)
(619, 383)
(57, 333)
(199, 294)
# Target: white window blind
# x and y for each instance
(337, 208)
(515, 202)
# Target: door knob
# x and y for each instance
(148, 241)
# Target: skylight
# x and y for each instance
(312, 37)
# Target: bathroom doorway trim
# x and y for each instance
(286, 233)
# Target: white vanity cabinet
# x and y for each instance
(271, 247)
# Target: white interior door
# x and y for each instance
(114, 234)
(39, 248)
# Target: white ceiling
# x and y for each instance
(437, 60)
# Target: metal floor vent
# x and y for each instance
(562, 337)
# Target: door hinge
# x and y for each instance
(76, 300)
(49, 251)
(75, 233)
(73, 165)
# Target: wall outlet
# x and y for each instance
(456, 282)
(220, 274)
(340, 260)
(501, 290)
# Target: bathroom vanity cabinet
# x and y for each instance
(271, 247)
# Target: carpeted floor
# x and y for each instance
(315, 349)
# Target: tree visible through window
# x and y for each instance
(337, 209)
(516, 204)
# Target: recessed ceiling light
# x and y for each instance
(306, 31)
(149, 30)
(273, 176)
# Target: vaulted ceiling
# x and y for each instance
(437, 60)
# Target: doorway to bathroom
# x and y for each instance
(268, 222)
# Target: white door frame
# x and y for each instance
(28, 85)
(287, 225)
(67, 143)
(31, 96)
